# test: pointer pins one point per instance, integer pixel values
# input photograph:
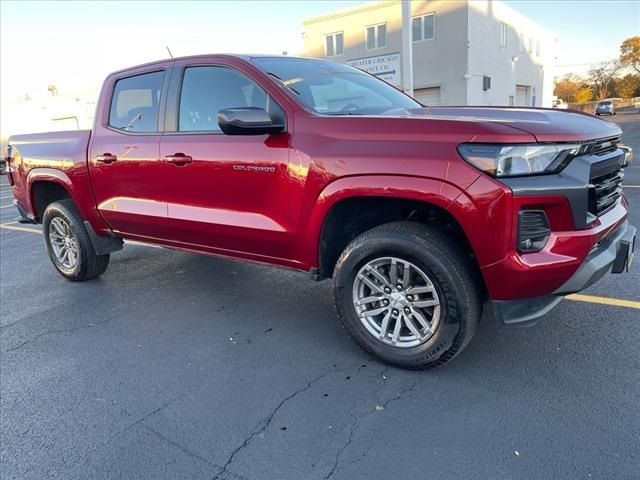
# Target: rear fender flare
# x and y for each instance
(81, 199)
(50, 175)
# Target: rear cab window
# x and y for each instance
(135, 103)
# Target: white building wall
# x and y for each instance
(466, 47)
(508, 66)
(442, 62)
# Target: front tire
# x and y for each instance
(68, 243)
(408, 294)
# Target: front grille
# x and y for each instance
(605, 184)
(600, 147)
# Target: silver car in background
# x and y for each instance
(605, 107)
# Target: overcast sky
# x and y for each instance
(74, 45)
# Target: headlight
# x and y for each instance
(515, 160)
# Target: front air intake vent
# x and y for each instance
(533, 230)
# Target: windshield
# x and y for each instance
(605, 104)
(335, 89)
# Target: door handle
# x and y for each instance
(106, 158)
(178, 159)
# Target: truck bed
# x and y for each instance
(60, 155)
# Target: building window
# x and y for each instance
(334, 44)
(530, 45)
(376, 36)
(424, 27)
(521, 48)
(538, 48)
(503, 35)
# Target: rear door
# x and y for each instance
(231, 193)
(127, 174)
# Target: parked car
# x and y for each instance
(605, 107)
(560, 104)
(421, 216)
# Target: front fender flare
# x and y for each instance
(427, 190)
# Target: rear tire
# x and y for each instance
(68, 243)
(439, 269)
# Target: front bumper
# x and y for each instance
(615, 252)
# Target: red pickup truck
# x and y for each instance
(420, 215)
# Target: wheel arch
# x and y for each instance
(47, 185)
(351, 206)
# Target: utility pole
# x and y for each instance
(407, 49)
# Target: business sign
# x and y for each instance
(387, 67)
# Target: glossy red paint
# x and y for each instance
(130, 192)
(265, 198)
(535, 274)
(246, 208)
(55, 157)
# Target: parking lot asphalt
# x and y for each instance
(179, 366)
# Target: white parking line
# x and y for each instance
(142, 244)
(14, 226)
(10, 226)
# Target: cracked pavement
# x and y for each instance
(176, 366)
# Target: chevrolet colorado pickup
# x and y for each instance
(420, 215)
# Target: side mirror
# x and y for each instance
(247, 121)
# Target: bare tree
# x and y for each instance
(602, 77)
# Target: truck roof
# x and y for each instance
(246, 57)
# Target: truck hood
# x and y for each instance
(546, 125)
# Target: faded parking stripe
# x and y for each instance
(616, 302)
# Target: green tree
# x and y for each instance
(630, 53)
(584, 95)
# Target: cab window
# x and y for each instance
(134, 104)
(207, 90)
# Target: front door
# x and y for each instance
(225, 192)
(127, 174)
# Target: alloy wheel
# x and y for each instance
(396, 302)
(64, 243)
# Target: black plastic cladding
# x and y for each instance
(534, 226)
(573, 182)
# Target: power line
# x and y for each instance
(583, 64)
